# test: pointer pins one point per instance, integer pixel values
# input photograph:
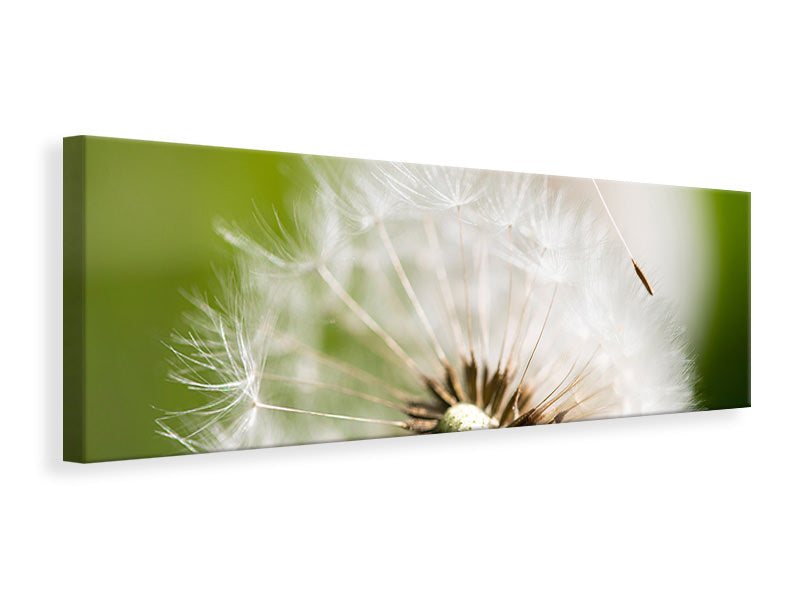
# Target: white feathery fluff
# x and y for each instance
(396, 291)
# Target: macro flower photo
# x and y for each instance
(271, 299)
(405, 299)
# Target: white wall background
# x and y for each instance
(689, 93)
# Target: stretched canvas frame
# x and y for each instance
(220, 299)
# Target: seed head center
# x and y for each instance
(465, 417)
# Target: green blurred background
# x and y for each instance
(149, 209)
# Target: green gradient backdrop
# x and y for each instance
(147, 214)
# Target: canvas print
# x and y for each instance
(222, 299)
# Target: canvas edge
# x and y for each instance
(74, 266)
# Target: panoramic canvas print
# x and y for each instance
(222, 299)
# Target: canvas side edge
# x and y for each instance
(74, 426)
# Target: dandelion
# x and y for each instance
(404, 299)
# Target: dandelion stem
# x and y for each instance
(482, 266)
(555, 389)
(351, 370)
(510, 288)
(543, 405)
(536, 345)
(354, 306)
(312, 413)
(409, 289)
(521, 331)
(558, 418)
(333, 388)
(466, 285)
(444, 282)
(636, 267)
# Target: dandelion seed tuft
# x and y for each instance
(403, 299)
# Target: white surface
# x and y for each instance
(687, 93)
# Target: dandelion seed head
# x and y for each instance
(411, 299)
